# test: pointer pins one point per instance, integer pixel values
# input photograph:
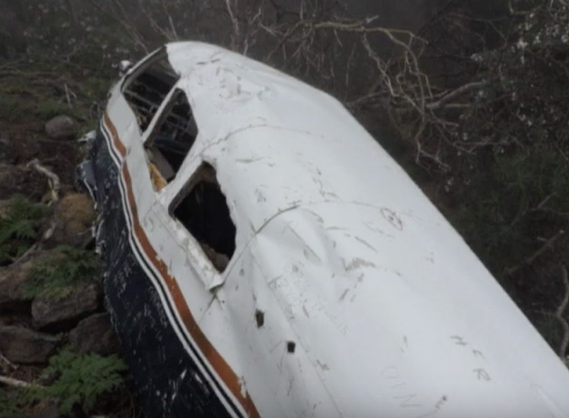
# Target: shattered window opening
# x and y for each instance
(171, 140)
(148, 87)
(203, 211)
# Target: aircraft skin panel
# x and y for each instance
(348, 294)
(170, 321)
(173, 383)
(400, 331)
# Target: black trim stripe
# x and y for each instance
(206, 374)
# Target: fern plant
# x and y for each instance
(9, 408)
(18, 227)
(56, 275)
(79, 379)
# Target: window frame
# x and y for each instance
(142, 65)
(136, 71)
(214, 278)
(161, 114)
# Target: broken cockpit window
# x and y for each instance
(171, 139)
(146, 88)
(202, 208)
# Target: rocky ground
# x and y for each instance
(51, 301)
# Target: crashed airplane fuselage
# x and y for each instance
(265, 257)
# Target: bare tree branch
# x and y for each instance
(6, 365)
(116, 12)
(236, 30)
(531, 259)
(475, 85)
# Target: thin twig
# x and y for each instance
(27, 254)
(67, 96)
(530, 260)
(7, 364)
(236, 30)
(458, 92)
(38, 245)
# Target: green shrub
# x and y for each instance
(56, 274)
(9, 408)
(18, 227)
(50, 108)
(79, 379)
(12, 108)
(97, 88)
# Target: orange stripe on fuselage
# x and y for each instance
(218, 363)
(116, 141)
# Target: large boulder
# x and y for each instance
(22, 345)
(59, 314)
(17, 179)
(12, 283)
(74, 216)
(62, 127)
(95, 334)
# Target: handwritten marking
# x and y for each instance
(482, 374)
(459, 340)
(392, 217)
(478, 353)
(408, 401)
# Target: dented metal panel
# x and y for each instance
(348, 294)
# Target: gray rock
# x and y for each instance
(22, 345)
(59, 314)
(95, 334)
(62, 127)
(12, 282)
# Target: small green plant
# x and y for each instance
(12, 108)
(9, 408)
(97, 88)
(50, 108)
(79, 379)
(18, 227)
(55, 275)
